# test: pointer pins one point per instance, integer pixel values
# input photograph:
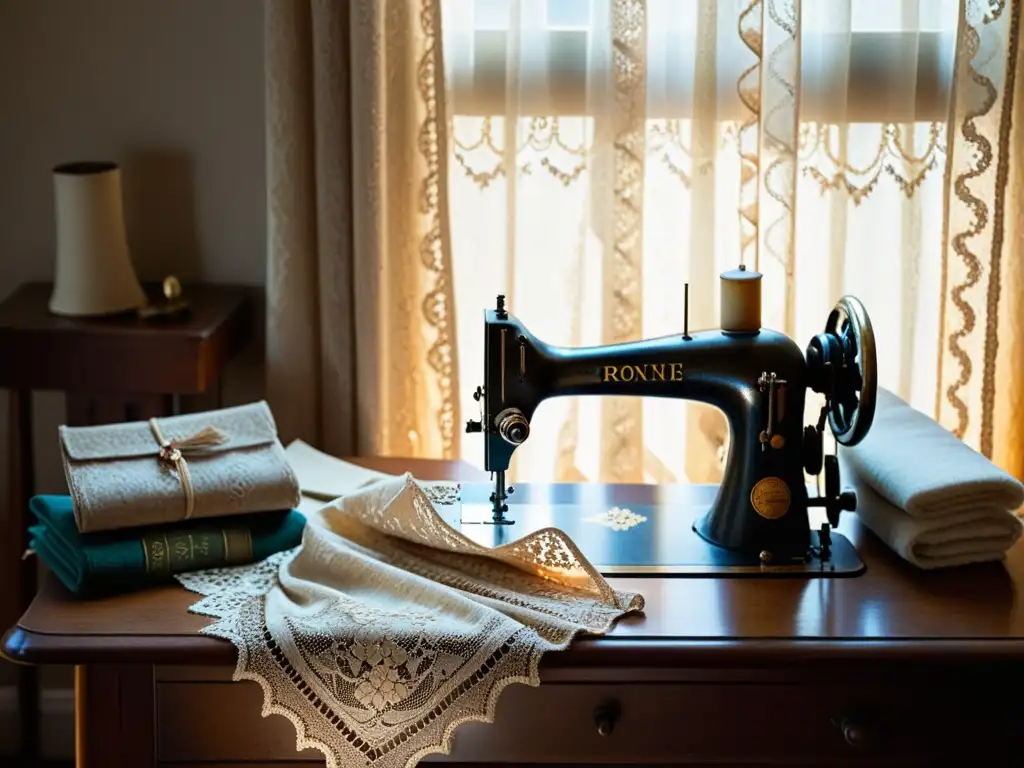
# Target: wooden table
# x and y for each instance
(897, 666)
(111, 369)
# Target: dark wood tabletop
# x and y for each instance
(894, 611)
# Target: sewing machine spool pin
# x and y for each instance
(686, 312)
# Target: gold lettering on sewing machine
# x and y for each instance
(638, 372)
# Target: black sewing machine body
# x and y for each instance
(709, 367)
(758, 378)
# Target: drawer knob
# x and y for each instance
(853, 730)
(605, 717)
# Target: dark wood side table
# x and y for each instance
(111, 369)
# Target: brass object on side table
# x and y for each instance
(172, 307)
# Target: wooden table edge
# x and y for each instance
(23, 646)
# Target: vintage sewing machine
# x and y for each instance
(758, 522)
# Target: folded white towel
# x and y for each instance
(938, 541)
(933, 499)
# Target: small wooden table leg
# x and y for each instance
(21, 577)
(115, 716)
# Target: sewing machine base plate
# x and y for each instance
(648, 540)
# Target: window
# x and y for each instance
(859, 68)
(657, 149)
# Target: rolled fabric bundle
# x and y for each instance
(932, 498)
(168, 470)
(116, 561)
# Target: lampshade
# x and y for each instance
(94, 271)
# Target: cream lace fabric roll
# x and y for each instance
(386, 628)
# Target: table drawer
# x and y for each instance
(642, 723)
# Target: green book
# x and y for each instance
(123, 560)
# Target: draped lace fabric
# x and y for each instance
(386, 628)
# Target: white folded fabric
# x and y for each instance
(932, 498)
(324, 476)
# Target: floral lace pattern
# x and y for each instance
(617, 519)
(386, 629)
(443, 493)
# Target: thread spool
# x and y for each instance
(740, 310)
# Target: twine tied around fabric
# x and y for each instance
(173, 453)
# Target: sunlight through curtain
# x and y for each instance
(587, 158)
(603, 153)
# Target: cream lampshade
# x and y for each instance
(94, 271)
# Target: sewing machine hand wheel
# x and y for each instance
(841, 366)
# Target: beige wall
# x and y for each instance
(172, 90)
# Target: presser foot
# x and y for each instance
(498, 499)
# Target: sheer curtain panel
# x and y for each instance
(603, 153)
(360, 311)
(588, 158)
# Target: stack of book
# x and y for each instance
(150, 499)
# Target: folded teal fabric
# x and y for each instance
(127, 559)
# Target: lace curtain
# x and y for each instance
(587, 158)
(605, 152)
(360, 349)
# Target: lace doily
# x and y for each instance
(386, 628)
